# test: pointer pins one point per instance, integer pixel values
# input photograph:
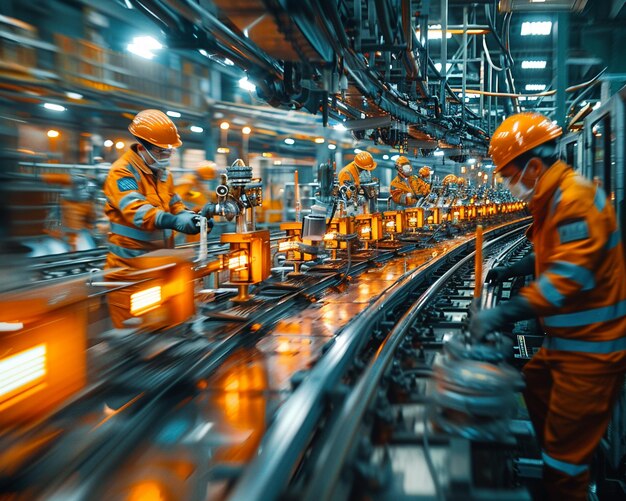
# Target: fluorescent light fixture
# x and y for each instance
(245, 84)
(143, 47)
(143, 301)
(471, 161)
(17, 371)
(435, 32)
(340, 127)
(228, 62)
(173, 114)
(119, 145)
(223, 150)
(535, 87)
(289, 141)
(203, 52)
(395, 157)
(108, 143)
(438, 66)
(196, 129)
(74, 95)
(320, 140)
(53, 107)
(52, 133)
(385, 157)
(224, 126)
(332, 146)
(246, 130)
(536, 28)
(533, 65)
(438, 153)
(357, 151)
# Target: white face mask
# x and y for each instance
(365, 176)
(161, 164)
(406, 169)
(519, 190)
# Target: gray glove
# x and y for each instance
(497, 275)
(185, 222)
(491, 320)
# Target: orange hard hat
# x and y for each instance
(518, 134)
(449, 179)
(425, 171)
(364, 160)
(156, 128)
(402, 160)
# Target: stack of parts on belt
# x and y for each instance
(473, 390)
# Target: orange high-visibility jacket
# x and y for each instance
(580, 290)
(349, 175)
(135, 199)
(413, 186)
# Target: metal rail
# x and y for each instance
(289, 436)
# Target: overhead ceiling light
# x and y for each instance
(143, 47)
(438, 153)
(537, 28)
(289, 141)
(119, 145)
(435, 32)
(332, 146)
(53, 107)
(471, 161)
(228, 62)
(195, 128)
(53, 133)
(340, 127)
(319, 140)
(203, 52)
(173, 114)
(535, 87)
(395, 157)
(74, 95)
(223, 150)
(245, 84)
(224, 126)
(385, 157)
(533, 65)
(246, 130)
(357, 151)
(108, 143)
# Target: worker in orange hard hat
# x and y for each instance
(358, 173)
(142, 205)
(579, 295)
(407, 188)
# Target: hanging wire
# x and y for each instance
(488, 55)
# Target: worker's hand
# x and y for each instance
(185, 222)
(497, 275)
(209, 225)
(208, 210)
(484, 322)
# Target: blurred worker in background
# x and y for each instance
(357, 173)
(78, 211)
(142, 206)
(407, 188)
(579, 296)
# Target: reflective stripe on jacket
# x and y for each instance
(401, 187)
(580, 289)
(135, 200)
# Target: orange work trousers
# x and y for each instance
(570, 413)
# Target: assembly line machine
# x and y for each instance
(327, 360)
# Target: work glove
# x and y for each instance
(185, 222)
(484, 322)
(208, 210)
(497, 275)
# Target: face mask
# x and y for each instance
(406, 169)
(161, 164)
(365, 176)
(518, 189)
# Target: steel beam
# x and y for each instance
(562, 44)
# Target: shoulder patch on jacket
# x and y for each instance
(573, 230)
(127, 184)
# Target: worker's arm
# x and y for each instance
(176, 204)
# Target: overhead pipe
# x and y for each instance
(383, 20)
